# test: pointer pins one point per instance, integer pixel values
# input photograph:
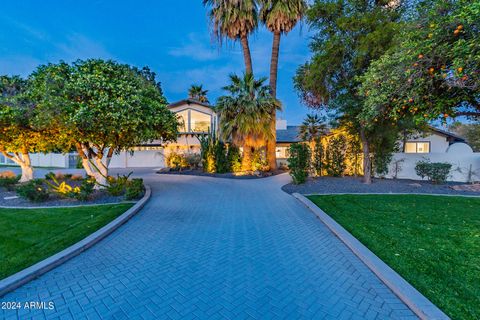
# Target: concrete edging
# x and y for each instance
(417, 302)
(26, 275)
(66, 207)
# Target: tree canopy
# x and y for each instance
(434, 71)
(101, 107)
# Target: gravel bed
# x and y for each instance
(98, 197)
(325, 185)
(221, 175)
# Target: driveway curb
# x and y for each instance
(26, 275)
(417, 302)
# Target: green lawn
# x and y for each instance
(433, 242)
(31, 235)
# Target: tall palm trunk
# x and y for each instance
(367, 165)
(272, 143)
(246, 54)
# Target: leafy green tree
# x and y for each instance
(234, 20)
(196, 92)
(350, 35)
(280, 17)
(299, 162)
(433, 72)
(245, 114)
(101, 107)
(335, 156)
(19, 136)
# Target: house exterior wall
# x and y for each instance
(465, 163)
(438, 143)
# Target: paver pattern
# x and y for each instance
(206, 248)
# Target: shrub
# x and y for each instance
(50, 176)
(33, 191)
(259, 161)
(8, 180)
(335, 157)
(299, 162)
(436, 172)
(318, 155)
(77, 177)
(176, 161)
(116, 186)
(220, 154)
(134, 189)
(193, 160)
(234, 159)
(85, 190)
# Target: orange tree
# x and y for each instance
(19, 135)
(434, 70)
(101, 108)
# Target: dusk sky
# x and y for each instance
(171, 37)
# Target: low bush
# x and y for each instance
(193, 160)
(85, 190)
(134, 189)
(33, 190)
(176, 161)
(116, 186)
(299, 162)
(259, 161)
(8, 180)
(234, 159)
(436, 172)
(77, 177)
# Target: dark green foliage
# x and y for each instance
(207, 147)
(259, 161)
(318, 157)
(33, 190)
(299, 162)
(134, 189)
(431, 241)
(86, 190)
(220, 154)
(234, 159)
(335, 156)
(436, 172)
(116, 186)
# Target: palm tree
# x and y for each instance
(312, 128)
(280, 17)
(197, 93)
(236, 20)
(245, 114)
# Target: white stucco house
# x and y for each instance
(200, 118)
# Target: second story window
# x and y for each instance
(194, 121)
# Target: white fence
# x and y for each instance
(465, 166)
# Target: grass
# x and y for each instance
(433, 242)
(28, 236)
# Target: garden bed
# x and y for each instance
(228, 175)
(433, 242)
(326, 185)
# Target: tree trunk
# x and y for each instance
(272, 143)
(247, 158)
(24, 162)
(246, 54)
(367, 166)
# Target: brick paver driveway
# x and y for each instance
(206, 248)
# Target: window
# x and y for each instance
(183, 118)
(417, 147)
(200, 122)
(282, 152)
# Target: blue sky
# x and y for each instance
(171, 37)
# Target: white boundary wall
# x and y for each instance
(463, 165)
(55, 160)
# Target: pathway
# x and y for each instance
(206, 248)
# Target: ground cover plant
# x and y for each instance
(30, 235)
(431, 241)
